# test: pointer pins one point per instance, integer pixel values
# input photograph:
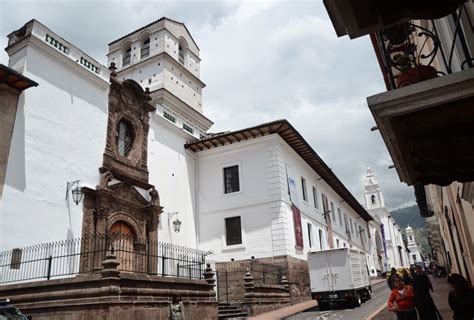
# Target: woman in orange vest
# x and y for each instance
(402, 300)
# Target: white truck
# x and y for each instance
(339, 276)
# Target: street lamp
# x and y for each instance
(176, 223)
(76, 191)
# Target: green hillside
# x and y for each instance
(408, 216)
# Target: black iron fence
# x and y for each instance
(83, 255)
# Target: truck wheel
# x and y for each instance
(323, 306)
(368, 296)
(357, 300)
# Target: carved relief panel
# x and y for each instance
(125, 153)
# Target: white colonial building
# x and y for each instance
(257, 192)
(413, 247)
(396, 254)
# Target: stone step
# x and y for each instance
(230, 311)
(235, 316)
(229, 308)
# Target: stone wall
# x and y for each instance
(94, 297)
(295, 270)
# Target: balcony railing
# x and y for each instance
(416, 51)
(84, 255)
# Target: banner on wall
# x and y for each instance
(382, 231)
(297, 226)
(291, 183)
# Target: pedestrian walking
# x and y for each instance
(391, 278)
(461, 299)
(401, 300)
(406, 277)
(423, 301)
(176, 309)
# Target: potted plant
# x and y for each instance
(406, 59)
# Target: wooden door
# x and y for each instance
(122, 240)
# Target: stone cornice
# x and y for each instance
(182, 108)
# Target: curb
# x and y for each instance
(377, 311)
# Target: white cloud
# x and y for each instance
(261, 61)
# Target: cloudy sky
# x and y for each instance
(261, 61)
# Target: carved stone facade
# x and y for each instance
(116, 204)
(130, 104)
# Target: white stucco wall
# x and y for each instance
(263, 201)
(59, 136)
(173, 171)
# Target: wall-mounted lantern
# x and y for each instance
(76, 191)
(176, 223)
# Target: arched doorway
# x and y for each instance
(122, 239)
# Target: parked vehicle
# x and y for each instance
(8, 311)
(339, 276)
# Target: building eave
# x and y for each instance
(14, 79)
(294, 139)
(152, 23)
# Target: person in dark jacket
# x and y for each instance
(406, 277)
(423, 301)
(391, 278)
(461, 299)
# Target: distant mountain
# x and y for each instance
(408, 216)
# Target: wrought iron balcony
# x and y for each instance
(415, 51)
(426, 116)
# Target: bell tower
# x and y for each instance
(164, 57)
(372, 193)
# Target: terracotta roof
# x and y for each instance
(151, 23)
(294, 139)
(15, 79)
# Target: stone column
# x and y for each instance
(109, 267)
(209, 275)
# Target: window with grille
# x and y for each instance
(339, 215)
(145, 49)
(315, 198)
(166, 115)
(188, 128)
(303, 187)
(16, 259)
(233, 231)
(231, 179)
(124, 138)
(333, 213)
(126, 57)
(310, 235)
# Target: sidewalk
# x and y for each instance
(297, 308)
(440, 294)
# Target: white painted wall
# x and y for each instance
(263, 201)
(173, 171)
(59, 136)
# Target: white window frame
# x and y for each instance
(304, 189)
(227, 165)
(315, 198)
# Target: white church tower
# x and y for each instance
(415, 255)
(372, 193)
(394, 248)
(164, 58)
